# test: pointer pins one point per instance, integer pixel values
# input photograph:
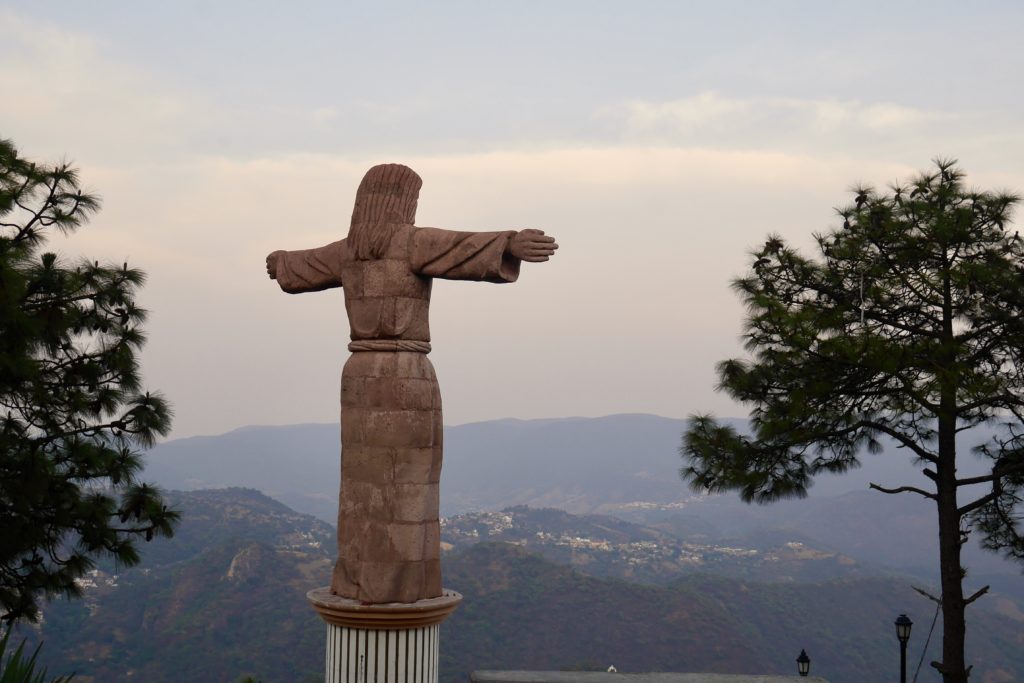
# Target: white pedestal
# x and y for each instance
(389, 643)
(357, 655)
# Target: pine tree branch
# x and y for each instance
(915, 395)
(997, 400)
(21, 191)
(997, 473)
(37, 216)
(970, 481)
(903, 439)
(894, 268)
(904, 489)
(980, 502)
(983, 331)
(95, 429)
(977, 594)
(36, 304)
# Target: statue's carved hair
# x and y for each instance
(385, 201)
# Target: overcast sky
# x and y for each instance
(658, 141)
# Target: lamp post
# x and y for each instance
(803, 663)
(903, 625)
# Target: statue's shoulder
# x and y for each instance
(401, 243)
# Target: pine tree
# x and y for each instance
(73, 417)
(908, 325)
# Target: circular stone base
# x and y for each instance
(386, 616)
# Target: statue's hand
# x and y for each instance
(272, 258)
(532, 245)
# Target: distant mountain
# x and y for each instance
(296, 464)
(581, 465)
(622, 465)
(226, 598)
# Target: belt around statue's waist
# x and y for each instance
(389, 345)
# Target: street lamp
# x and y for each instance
(903, 625)
(803, 663)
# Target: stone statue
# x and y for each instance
(388, 526)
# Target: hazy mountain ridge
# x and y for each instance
(624, 465)
(582, 465)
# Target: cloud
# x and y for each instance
(710, 118)
(685, 116)
(322, 115)
(897, 116)
(61, 94)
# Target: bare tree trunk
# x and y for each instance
(954, 627)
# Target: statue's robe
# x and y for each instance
(388, 524)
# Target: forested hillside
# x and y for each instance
(227, 598)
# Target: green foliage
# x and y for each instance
(917, 293)
(72, 414)
(912, 315)
(16, 669)
(909, 326)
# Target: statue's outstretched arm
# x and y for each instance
(484, 256)
(307, 270)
